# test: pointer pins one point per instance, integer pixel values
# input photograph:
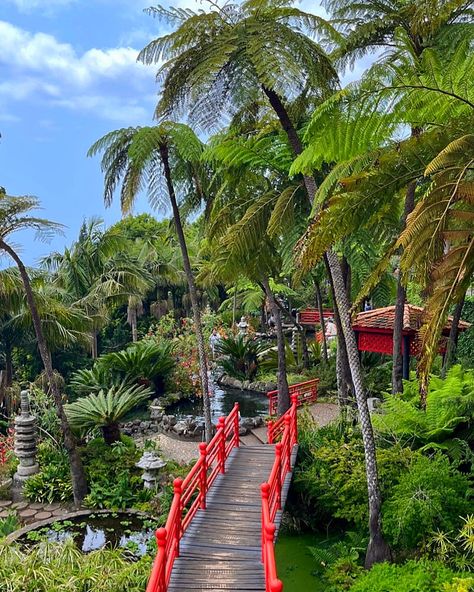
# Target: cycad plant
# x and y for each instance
(240, 356)
(105, 409)
(146, 362)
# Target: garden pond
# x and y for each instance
(94, 531)
(251, 404)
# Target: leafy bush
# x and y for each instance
(53, 482)
(9, 524)
(53, 567)
(412, 576)
(332, 471)
(106, 409)
(456, 551)
(241, 356)
(115, 483)
(449, 412)
(430, 495)
(147, 362)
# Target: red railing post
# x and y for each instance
(278, 453)
(236, 425)
(203, 474)
(270, 431)
(287, 452)
(157, 581)
(221, 428)
(177, 488)
(265, 491)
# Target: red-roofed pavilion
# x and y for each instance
(374, 331)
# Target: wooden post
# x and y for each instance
(406, 357)
(236, 425)
(287, 452)
(221, 444)
(177, 488)
(160, 583)
(203, 474)
(270, 431)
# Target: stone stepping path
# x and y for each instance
(32, 512)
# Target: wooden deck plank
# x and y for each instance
(221, 549)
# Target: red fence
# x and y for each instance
(307, 393)
(272, 492)
(190, 496)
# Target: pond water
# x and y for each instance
(115, 529)
(295, 564)
(222, 401)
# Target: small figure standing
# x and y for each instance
(243, 326)
(214, 340)
(331, 330)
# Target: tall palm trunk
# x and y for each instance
(192, 293)
(377, 549)
(79, 483)
(319, 302)
(397, 370)
(94, 345)
(283, 392)
(453, 337)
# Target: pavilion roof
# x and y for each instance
(383, 319)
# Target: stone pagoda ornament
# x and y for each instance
(151, 463)
(25, 442)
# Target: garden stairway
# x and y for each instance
(225, 514)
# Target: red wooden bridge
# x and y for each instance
(221, 528)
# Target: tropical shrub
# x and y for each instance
(447, 421)
(53, 567)
(430, 495)
(104, 410)
(147, 362)
(412, 576)
(455, 551)
(53, 482)
(114, 480)
(240, 356)
(9, 525)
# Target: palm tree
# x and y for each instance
(14, 215)
(224, 60)
(404, 30)
(141, 157)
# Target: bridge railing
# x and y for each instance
(307, 393)
(190, 495)
(271, 493)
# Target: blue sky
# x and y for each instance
(68, 74)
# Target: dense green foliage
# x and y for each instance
(57, 567)
(240, 356)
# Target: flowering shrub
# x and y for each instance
(6, 453)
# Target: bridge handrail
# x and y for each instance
(307, 393)
(271, 492)
(190, 495)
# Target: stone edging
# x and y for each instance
(14, 536)
(246, 385)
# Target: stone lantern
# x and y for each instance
(25, 442)
(151, 463)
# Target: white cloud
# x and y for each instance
(103, 81)
(31, 5)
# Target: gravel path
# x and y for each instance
(180, 451)
(324, 413)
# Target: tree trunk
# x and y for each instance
(78, 477)
(377, 549)
(94, 348)
(319, 302)
(397, 370)
(8, 379)
(192, 293)
(453, 337)
(111, 433)
(132, 319)
(283, 392)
